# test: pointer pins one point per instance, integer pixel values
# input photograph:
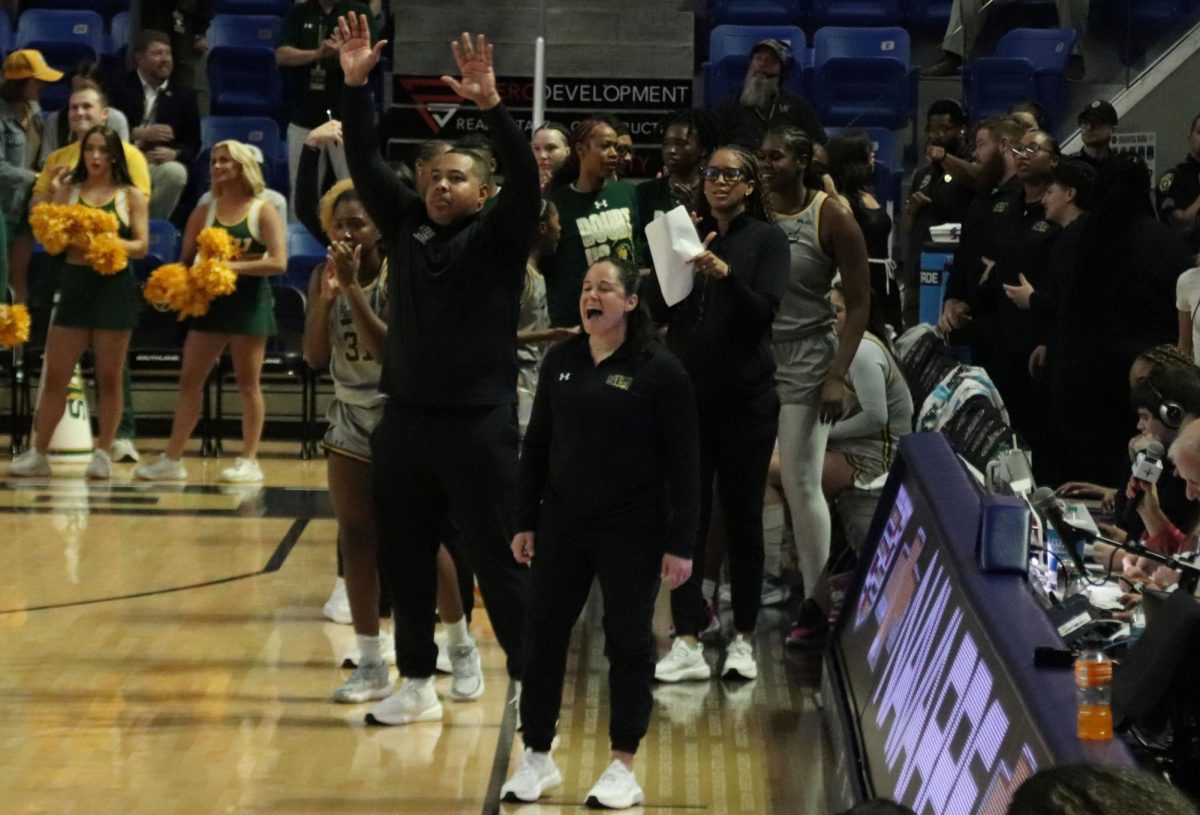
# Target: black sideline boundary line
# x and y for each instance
(508, 728)
(274, 564)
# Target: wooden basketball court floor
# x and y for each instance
(162, 649)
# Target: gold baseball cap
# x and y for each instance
(28, 63)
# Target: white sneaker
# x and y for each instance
(415, 701)
(337, 607)
(536, 774)
(161, 468)
(739, 660)
(100, 466)
(467, 672)
(243, 471)
(123, 450)
(30, 464)
(444, 665)
(682, 663)
(387, 649)
(367, 683)
(617, 789)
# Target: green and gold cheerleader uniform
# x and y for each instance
(88, 299)
(251, 308)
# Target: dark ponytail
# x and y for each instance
(796, 141)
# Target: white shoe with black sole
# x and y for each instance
(535, 776)
(617, 789)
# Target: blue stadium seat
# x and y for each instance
(260, 131)
(276, 7)
(243, 78)
(304, 252)
(855, 12)
(99, 6)
(116, 43)
(729, 55)
(931, 15)
(163, 241)
(65, 38)
(6, 33)
(758, 12)
(1146, 16)
(1028, 64)
(862, 77)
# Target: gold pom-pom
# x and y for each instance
(106, 254)
(168, 287)
(213, 277)
(214, 242)
(51, 227)
(14, 325)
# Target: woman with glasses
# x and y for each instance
(597, 212)
(811, 360)
(722, 334)
(851, 157)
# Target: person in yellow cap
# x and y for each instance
(25, 74)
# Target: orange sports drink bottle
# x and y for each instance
(1093, 694)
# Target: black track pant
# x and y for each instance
(628, 563)
(735, 446)
(430, 463)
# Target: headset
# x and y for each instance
(1170, 412)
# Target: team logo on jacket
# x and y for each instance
(619, 381)
(1041, 226)
(1000, 206)
(1166, 181)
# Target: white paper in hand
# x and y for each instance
(673, 242)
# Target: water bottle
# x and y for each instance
(1093, 695)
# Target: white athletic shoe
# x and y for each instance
(100, 467)
(467, 673)
(123, 450)
(617, 789)
(415, 701)
(30, 464)
(387, 649)
(366, 684)
(536, 774)
(444, 665)
(683, 663)
(337, 607)
(739, 660)
(243, 471)
(161, 468)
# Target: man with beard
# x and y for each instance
(937, 197)
(983, 230)
(764, 104)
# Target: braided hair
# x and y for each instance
(580, 133)
(699, 122)
(797, 142)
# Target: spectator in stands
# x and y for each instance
(58, 132)
(1117, 300)
(811, 359)
(688, 139)
(624, 147)
(1178, 193)
(764, 103)
(936, 196)
(307, 53)
(242, 320)
(983, 229)
(166, 119)
(95, 309)
(721, 332)
(186, 22)
(21, 124)
(550, 147)
(863, 442)
(966, 22)
(1031, 114)
(608, 493)
(1096, 125)
(1093, 789)
(851, 159)
(598, 215)
(427, 152)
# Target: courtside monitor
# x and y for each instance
(930, 693)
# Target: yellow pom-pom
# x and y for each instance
(213, 277)
(214, 242)
(51, 227)
(106, 254)
(14, 325)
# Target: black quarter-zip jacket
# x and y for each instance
(613, 445)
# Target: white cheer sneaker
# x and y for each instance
(535, 776)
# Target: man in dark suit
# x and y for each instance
(164, 119)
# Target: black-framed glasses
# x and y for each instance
(731, 174)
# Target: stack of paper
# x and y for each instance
(673, 243)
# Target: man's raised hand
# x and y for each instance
(478, 82)
(353, 39)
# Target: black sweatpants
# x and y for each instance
(736, 443)
(427, 463)
(628, 563)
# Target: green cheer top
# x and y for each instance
(88, 299)
(250, 309)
